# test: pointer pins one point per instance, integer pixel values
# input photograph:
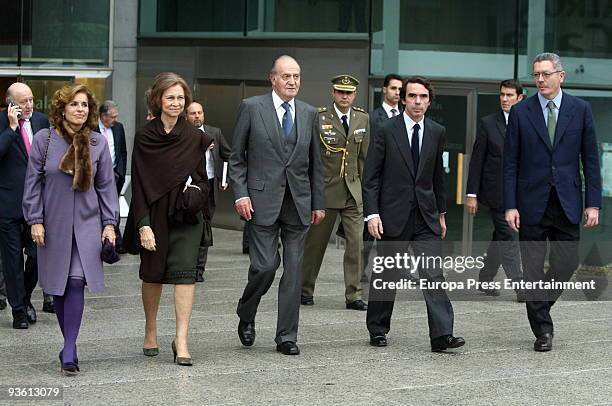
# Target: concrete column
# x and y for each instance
(536, 24)
(391, 24)
(124, 66)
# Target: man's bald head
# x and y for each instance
(195, 114)
(285, 77)
(20, 94)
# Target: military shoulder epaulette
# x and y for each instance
(359, 109)
(322, 109)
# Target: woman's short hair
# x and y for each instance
(65, 95)
(163, 82)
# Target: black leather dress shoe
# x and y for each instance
(307, 300)
(442, 343)
(2, 304)
(288, 348)
(120, 250)
(543, 343)
(48, 306)
(378, 340)
(31, 313)
(246, 333)
(20, 321)
(490, 292)
(357, 305)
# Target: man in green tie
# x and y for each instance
(550, 140)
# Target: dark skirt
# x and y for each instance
(183, 248)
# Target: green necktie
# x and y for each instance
(552, 121)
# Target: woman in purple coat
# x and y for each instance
(70, 201)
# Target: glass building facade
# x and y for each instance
(225, 47)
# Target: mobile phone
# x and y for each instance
(11, 104)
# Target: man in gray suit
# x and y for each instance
(277, 177)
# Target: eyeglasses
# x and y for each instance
(545, 75)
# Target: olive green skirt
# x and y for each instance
(183, 248)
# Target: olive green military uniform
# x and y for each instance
(343, 157)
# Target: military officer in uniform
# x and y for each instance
(344, 135)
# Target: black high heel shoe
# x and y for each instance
(183, 361)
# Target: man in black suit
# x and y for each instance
(484, 186)
(390, 107)
(18, 124)
(217, 154)
(404, 193)
(115, 137)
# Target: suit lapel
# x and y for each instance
(300, 120)
(537, 120)
(500, 123)
(270, 121)
(426, 146)
(566, 113)
(401, 138)
(20, 142)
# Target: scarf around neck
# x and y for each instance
(76, 162)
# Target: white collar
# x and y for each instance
(388, 108)
(557, 100)
(410, 122)
(278, 101)
(340, 114)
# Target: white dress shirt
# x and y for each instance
(388, 108)
(210, 163)
(280, 110)
(110, 140)
(340, 114)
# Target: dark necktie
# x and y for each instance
(393, 112)
(414, 146)
(287, 120)
(345, 124)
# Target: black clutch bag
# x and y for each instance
(108, 253)
(188, 204)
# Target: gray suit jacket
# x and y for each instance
(258, 169)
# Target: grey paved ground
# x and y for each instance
(337, 366)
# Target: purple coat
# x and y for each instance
(63, 211)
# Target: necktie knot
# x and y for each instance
(287, 107)
(393, 112)
(551, 105)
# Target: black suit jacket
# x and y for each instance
(220, 152)
(120, 155)
(390, 184)
(13, 163)
(486, 163)
(377, 117)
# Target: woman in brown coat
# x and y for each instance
(169, 198)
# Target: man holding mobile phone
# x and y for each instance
(18, 124)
